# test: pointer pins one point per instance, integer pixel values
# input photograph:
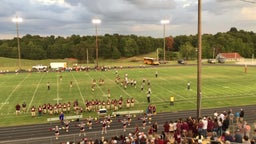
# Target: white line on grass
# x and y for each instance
(121, 88)
(58, 98)
(78, 88)
(6, 100)
(97, 85)
(175, 93)
(37, 86)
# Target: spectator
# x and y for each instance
(228, 137)
(241, 116)
(246, 140)
(238, 138)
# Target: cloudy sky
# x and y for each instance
(139, 17)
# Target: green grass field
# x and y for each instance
(221, 86)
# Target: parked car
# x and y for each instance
(211, 61)
(181, 61)
(221, 60)
(102, 112)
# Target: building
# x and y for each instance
(230, 56)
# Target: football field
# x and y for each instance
(221, 86)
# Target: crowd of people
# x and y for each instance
(213, 129)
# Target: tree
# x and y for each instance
(187, 51)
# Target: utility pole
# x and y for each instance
(199, 61)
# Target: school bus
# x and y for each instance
(150, 61)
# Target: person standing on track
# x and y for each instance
(82, 129)
(56, 131)
(104, 127)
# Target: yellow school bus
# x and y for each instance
(150, 61)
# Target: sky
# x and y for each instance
(139, 17)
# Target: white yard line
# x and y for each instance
(37, 86)
(97, 85)
(121, 89)
(79, 89)
(9, 96)
(175, 93)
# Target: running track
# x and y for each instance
(40, 134)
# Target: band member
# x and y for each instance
(40, 110)
(66, 122)
(50, 110)
(17, 108)
(104, 127)
(44, 109)
(24, 107)
(124, 122)
(59, 107)
(33, 111)
(82, 130)
(109, 120)
(132, 102)
(144, 121)
(55, 109)
(64, 108)
(108, 104)
(68, 107)
(89, 123)
(120, 102)
(128, 102)
(56, 131)
(129, 119)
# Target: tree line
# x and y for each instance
(116, 46)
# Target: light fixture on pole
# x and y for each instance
(164, 22)
(18, 20)
(96, 22)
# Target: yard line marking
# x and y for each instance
(6, 100)
(175, 93)
(78, 88)
(57, 83)
(121, 88)
(37, 86)
(97, 85)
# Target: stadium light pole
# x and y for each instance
(199, 60)
(164, 22)
(96, 22)
(18, 20)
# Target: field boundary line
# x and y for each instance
(79, 89)
(13, 91)
(37, 86)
